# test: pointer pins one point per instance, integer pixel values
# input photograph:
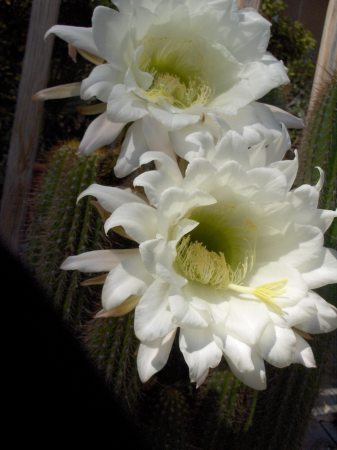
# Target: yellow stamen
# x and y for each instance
(208, 267)
(176, 92)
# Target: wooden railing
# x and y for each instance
(26, 127)
(25, 133)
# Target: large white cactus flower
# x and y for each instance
(229, 256)
(172, 61)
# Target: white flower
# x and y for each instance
(227, 138)
(228, 255)
(167, 65)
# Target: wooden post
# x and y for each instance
(327, 57)
(252, 3)
(25, 132)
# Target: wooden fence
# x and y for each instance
(25, 133)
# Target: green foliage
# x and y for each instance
(295, 46)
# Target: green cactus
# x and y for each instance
(61, 228)
(319, 148)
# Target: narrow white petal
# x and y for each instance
(100, 132)
(61, 91)
(125, 106)
(200, 352)
(325, 271)
(277, 345)
(97, 261)
(110, 197)
(128, 278)
(155, 182)
(100, 82)
(157, 137)
(325, 318)
(153, 319)
(185, 314)
(288, 168)
(109, 31)
(158, 257)
(289, 120)
(138, 220)
(76, 36)
(173, 121)
(134, 145)
(247, 365)
(246, 319)
(152, 356)
(303, 353)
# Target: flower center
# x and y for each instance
(178, 93)
(217, 252)
(175, 78)
(207, 267)
(220, 252)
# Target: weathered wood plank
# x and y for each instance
(327, 57)
(25, 132)
(252, 3)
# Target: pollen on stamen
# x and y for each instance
(207, 267)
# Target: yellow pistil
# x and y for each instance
(265, 292)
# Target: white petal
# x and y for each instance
(97, 261)
(325, 271)
(110, 197)
(155, 182)
(153, 319)
(56, 92)
(152, 356)
(246, 319)
(173, 121)
(157, 137)
(200, 352)
(296, 288)
(109, 31)
(289, 120)
(271, 184)
(245, 363)
(76, 36)
(288, 168)
(256, 79)
(277, 345)
(134, 145)
(128, 278)
(100, 82)
(325, 318)
(124, 106)
(185, 314)
(298, 246)
(303, 353)
(138, 220)
(200, 175)
(100, 132)
(158, 257)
